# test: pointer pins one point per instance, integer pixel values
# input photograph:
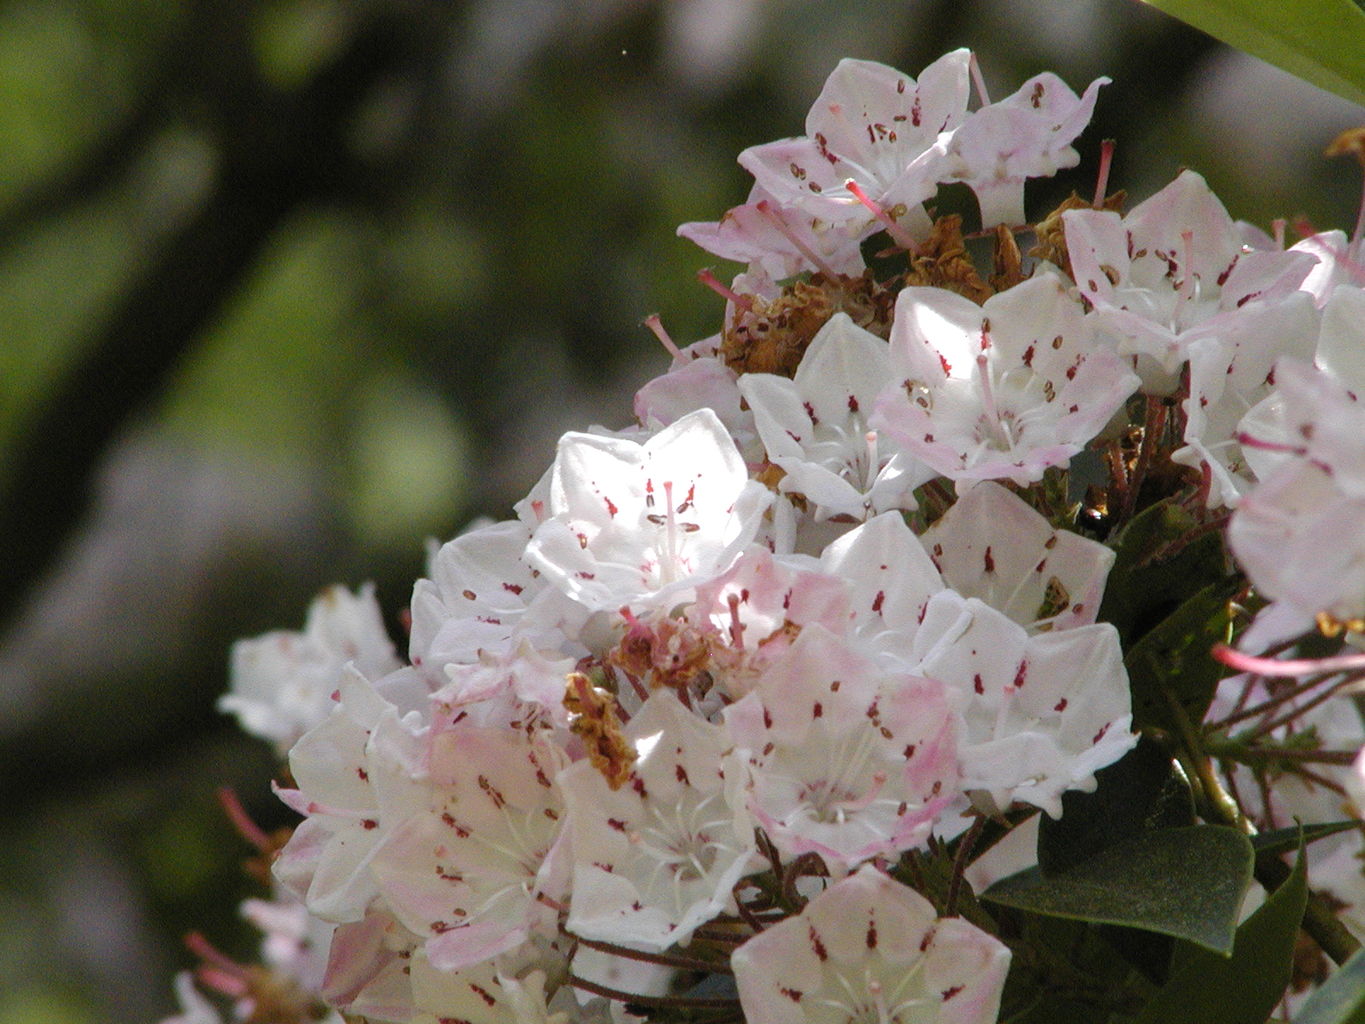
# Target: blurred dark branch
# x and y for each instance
(278, 153)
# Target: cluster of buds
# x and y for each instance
(703, 728)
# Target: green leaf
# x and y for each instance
(1145, 588)
(1139, 792)
(1341, 998)
(1244, 988)
(1282, 840)
(1321, 41)
(1184, 882)
(1172, 661)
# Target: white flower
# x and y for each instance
(877, 127)
(468, 872)
(991, 544)
(483, 598)
(1040, 714)
(1026, 135)
(870, 949)
(643, 523)
(658, 856)
(282, 683)
(1230, 372)
(754, 610)
(847, 760)
(1003, 390)
(814, 426)
(783, 241)
(1174, 269)
(358, 775)
(890, 579)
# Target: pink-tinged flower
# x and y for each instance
(1026, 135)
(890, 578)
(644, 523)
(521, 689)
(992, 545)
(282, 683)
(1039, 714)
(783, 241)
(848, 761)
(1230, 372)
(874, 126)
(468, 873)
(701, 383)
(480, 596)
(1297, 535)
(814, 426)
(871, 949)
(1003, 390)
(1173, 270)
(1339, 263)
(368, 973)
(658, 856)
(755, 610)
(359, 775)
(509, 989)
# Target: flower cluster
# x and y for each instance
(691, 731)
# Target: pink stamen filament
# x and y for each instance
(1277, 228)
(727, 293)
(1187, 280)
(1102, 178)
(979, 81)
(657, 326)
(736, 627)
(988, 400)
(213, 957)
(897, 233)
(1281, 668)
(812, 257)
(241, 821)
(670, 565)
(1248, 441)
(870, 476)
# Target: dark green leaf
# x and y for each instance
(1139, 792)
(1281, 840)
(1341, 999)
(1172, 661)
(1184, 882)
(1244, 988)
(1321, 41)
(1144, 588)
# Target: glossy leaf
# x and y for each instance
(1341, 998)
(1139, 792)
(1321, 41)
(1282, 840)
(1184, 882)
(1172, 663)
(1243, 988)
(1155, 571)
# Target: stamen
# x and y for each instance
(870, 475)
(241, 821)
(897, 233)
(670, 536)
(736, 627)
(657, 326)
(777, 221)
(727, 293)
(979, 81)
(1102, 178)
(1185, 294)
(1281, 668)
(1277, 229)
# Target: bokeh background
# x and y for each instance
(289, 288)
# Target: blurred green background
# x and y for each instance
(290, 287)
